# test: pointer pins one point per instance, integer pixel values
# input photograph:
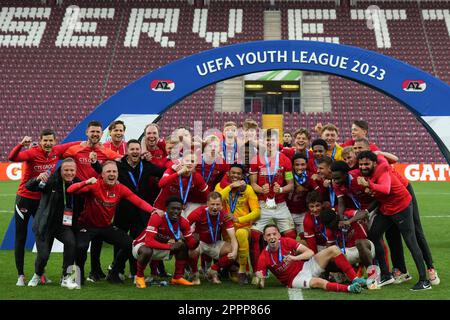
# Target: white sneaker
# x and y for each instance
(20, 281)
(433, 276)
(149, 279)
(122, 276)
(69, 283)
(34, 281)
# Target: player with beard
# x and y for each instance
(393, 235)
(117, 133)
(102, 197)
(209, 223)
(39, 159)
(395, 209)
(242, 204)
(165, 236)
(296, 266)
(82, 156)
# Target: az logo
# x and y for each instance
(414, 85)
(162, 85)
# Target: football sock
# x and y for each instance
(179, 268)
(336, 287)
(343, 264)
(255, 250)
(193, 263)
(154, 268)
(243, 251)
(140, 269)
(222, 263)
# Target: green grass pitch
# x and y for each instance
(435, 215)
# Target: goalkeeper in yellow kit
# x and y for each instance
(242, 203)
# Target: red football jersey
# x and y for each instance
(315, 232)
(351, 142)
(81, 156)
(356, 231)
(35, 161)
(199, 217)
(121, 149)
(296, 200)
(170, 186)
(101, 201)
(389, 190)
(215, 176)
(259, 168)
(158, 225)
(352, 188)
(285, 273)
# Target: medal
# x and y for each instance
(270, 202)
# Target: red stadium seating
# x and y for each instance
(56, 86)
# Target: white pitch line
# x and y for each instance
(7, 195)
(295, 294)
(434, 193)
(435, 217)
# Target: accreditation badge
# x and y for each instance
(67, 217)
(270, 203)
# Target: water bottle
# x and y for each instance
(42, 183)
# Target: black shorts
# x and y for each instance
(26, 206)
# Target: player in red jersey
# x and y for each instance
(296, 200)
(182, 182)
(271, 178)
(360, 129)
(210, 166)
(323, 180)
(39, 159)
(117, 133)
(350, 235)
(395, 209)
(209, 223)
(393, 235)
(153, 148)
(315, 233)
(229, 143)
(349, 156)
(319, 148)
(301, 144)
(165, 236)
(102, 197)
(296, 266)
(83, 155)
